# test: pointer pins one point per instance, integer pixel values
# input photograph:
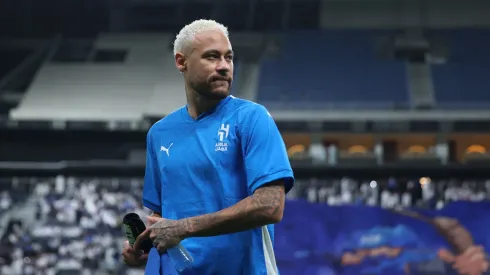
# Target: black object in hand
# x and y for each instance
(134, 226)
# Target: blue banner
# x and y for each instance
(317, 239)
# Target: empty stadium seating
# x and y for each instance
(145, 83)
(312, 69)
(329, 68)
(463, 81)
(90, 92)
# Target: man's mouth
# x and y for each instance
(218, 79)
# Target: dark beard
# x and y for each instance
(205, 91)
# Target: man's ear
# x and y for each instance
(180, 62)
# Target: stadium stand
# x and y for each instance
(76, 225)
(326, 68)
(90, 92)
(463, 80)
(346, 73)
(144, 82)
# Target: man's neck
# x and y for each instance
(197, 104)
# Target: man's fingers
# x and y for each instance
(446, 255)
(485, 266)
(471, 255)
(474, 249)
(153, 236)
(161, 249)
(144, 257)
(139, 240)
(127, 249)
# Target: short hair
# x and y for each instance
(187, 33)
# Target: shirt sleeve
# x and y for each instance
(264, 151)
(152, 183)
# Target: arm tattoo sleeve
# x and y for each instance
(264, 207)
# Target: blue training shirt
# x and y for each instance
(203, 165)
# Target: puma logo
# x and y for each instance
(166, 150)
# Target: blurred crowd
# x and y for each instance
(76, 227)
(73, 225)
(392, 192)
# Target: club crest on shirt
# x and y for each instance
(223, 132)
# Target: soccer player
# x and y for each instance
(217, 170)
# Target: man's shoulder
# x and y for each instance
(169, 121)
(244, 106)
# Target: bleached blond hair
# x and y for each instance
(187, 33)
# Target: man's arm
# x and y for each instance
(264, 206)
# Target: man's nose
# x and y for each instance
(223, 67)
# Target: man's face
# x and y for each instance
(209, 65)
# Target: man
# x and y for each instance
(217, 169)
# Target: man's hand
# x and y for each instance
(471, 262)
(133, 257)
(164, 233)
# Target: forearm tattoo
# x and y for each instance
(265, 206)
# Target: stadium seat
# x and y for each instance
(320, 69)
(89, 92)
(463, 80)
(146, 83)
